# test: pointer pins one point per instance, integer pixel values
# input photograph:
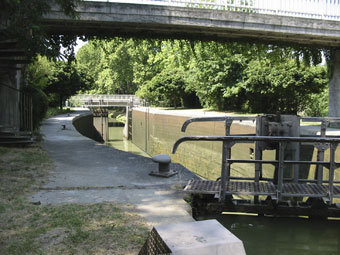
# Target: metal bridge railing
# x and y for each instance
(313, 9)
(102, 100)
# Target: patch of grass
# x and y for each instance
(103, 228)
(56, 111)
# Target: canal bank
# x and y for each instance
(89, 172)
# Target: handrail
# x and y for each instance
(320, 119)
(250, 139)
(313, 9)
(88, 99)
(208, 119)
(282, 142)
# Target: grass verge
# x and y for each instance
(26, 228)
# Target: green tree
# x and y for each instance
(36, 76)
(167, 88)
(215, 73)
(317, 104)
(88, 61)
(23, 19)
(284, 87)
(63, 82)
(224, 76)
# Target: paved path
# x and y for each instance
(90, 172)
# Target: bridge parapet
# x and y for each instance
(312, 9)
(101, 100)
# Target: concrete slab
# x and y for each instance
(90, 172)
(200, 238)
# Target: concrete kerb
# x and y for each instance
(90, 172)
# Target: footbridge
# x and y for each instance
(105, 101)
(100, 104)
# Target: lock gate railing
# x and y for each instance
(278, 187)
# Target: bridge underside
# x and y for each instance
(151, 21)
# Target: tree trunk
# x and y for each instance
(61, 102)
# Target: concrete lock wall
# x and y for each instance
(156, 133)
(84, 125)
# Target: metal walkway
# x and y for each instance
(261, 189)
(252, 192)
(291, 187)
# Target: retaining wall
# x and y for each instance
(156, 133)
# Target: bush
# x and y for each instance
(317, 105)
(40, 105)
(168, 87)
(53, 111)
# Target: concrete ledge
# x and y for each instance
(195, 238)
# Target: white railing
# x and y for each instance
(313, 9)
(105, 100)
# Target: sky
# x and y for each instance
(80, 43)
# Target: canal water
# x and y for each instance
(266, 235)
(283, 236)
(117, 141)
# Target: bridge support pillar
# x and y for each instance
(334, 85)
(100, 122)
(128, 126)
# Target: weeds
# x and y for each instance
(25, 228)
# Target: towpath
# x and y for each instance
(89, 172)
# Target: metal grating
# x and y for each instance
(304, 190)
(202, 187)
(251, 188)
(155, 245)
(261, 188)
(336, 191)
(239, 188)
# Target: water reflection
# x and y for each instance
(117, 141)
(281, 236)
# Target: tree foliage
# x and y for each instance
(64, 81)
(23, 24)
(223, 76)
(284, 87)
(49, 83)
(169, 88)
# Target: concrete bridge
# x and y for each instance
(305, 22)
(289, 22)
